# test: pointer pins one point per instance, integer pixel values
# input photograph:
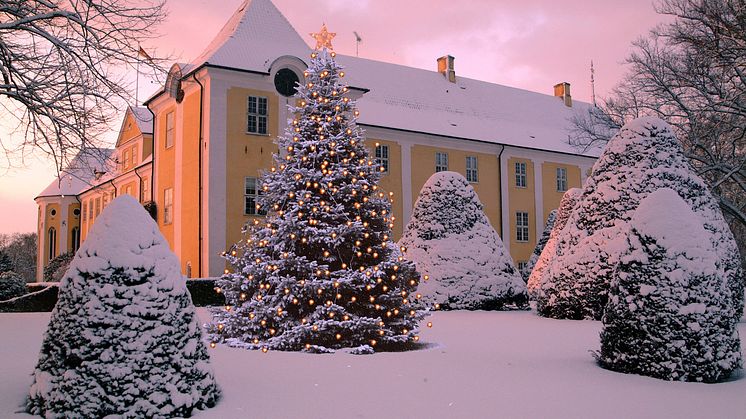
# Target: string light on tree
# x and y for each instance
(325, 272)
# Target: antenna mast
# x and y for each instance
(358, 40)
(593, 85)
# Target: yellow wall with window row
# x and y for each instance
(247, 154)
(552, 195)
(521, 198)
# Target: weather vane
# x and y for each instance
(323, 38)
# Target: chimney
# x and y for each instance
(562, 91)
(445, 67)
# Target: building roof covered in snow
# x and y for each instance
(144, 119)
(401, 97)
(80, 174)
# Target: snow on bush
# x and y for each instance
(643, 157)
(12, 285)
(57, 267)
(540, 245)
(451, 240)
(670, 313)
(123, 338)
(567, 205)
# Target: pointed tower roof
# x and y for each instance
(252, 39)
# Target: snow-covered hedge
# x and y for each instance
(669, 314)
(451, 240)
(11, 285)
(643, 157)
(123, 338)
(538, 270)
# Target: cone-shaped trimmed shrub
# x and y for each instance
(669, 314)
(123, 338)
(538, 271)
(643, 157)
(452, 242)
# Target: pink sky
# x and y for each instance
(531, 44)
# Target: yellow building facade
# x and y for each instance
(215, 121)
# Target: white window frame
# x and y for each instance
(168, 206)
(441, 162)
(522, 227)
(472, 169)
(257, 116)
(126, 159)
(251, 191)
(521, 176)
(52, 238)
(144, 190)
(561, 179)
(382, 157)
(75, 238)
(170, 124)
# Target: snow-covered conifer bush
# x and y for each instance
(567, 205)
(643, 157)
(670, 313)
(123, 339)
(451, 241)
(5, 263)
(57, 267)
(11, 285)
(320, 272)
(540, 244)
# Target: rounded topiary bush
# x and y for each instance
(124, 339)
(11, 285)
(669, 314)
(451, 241)
(643, 157)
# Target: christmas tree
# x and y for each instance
(123, 339)
(320, 272)
(669, 314)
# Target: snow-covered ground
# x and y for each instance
(481, 365)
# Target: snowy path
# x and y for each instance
(487, 364)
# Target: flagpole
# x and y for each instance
(137, 82)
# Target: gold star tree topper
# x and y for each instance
(323, 38)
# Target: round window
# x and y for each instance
(76, 212)
(285, 82)
(53, 212)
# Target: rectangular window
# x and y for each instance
(134, 155)
(169, 130)
(520, 174)
(257, 115)
(128, 190)
(441, 162)
(145, 190)
(471, 169)
(561, 179)
(522, 266)
(105, 200)
(251, 195)
(90, 210)
(168, 206)
(521, 226)
(98, 206)
(85, 211)
(382, 157)
(126, 160)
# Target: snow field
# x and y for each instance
(483, 365)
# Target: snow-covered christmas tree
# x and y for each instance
(460, 255)
(123, 339)
(538, 271)
(669, 314)
(540, 245)
(643, 157)
(321, 271)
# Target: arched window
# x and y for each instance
(52, 242)
(75, 238)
